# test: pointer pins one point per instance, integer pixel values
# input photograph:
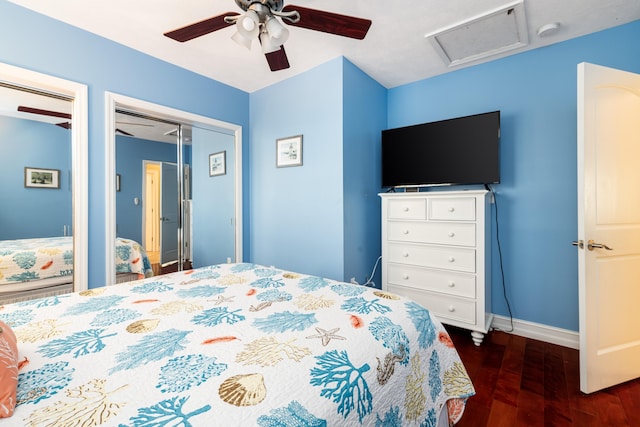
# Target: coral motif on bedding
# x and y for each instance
(268, 351)
(293, 415)
(183, 372)
(88, 404)
(343, 383)
(38, 331)
(168, 412)
(415, 399)
(42, 383)
(234, 344)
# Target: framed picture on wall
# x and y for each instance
(41, 178)
(218, 163)
(289, 151)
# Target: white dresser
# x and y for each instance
(436, 250)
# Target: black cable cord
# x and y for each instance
(504, 287)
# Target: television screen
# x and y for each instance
(463, 150)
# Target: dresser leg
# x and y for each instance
(477, 337)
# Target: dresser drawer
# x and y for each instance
(407, 209)
(449, 258)
(446, 282)
(453, 209)
(460, 234)
(442, 307)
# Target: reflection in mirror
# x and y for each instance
(177, 186)
(148, 206)
(37, 218)
(147, 199)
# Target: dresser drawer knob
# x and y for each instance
(405, 276)
(451, 209)
(451, 234)
(405, 254)
(451, 309)
(405, 232)
(451, 259)
(405, 209)
(452, 284)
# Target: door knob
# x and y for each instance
(591, 245)
(578, 243)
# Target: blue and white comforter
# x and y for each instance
(233, 345)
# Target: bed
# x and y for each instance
(234, 344)
(32, 268)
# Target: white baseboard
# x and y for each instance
(537, 331)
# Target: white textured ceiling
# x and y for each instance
(394, 52)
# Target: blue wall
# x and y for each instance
(297, 212)
(33, 212)
(39, 43)
(365, 106)
(213, 200)
(537, 198)
(323, 217)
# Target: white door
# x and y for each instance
(608, 226)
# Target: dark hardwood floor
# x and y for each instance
(525, 382)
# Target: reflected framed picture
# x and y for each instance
(289, 151)
(41, 178)
(218, 163)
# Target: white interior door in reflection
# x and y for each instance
(169, 208)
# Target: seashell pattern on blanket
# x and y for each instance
(243, 390)
(142, 326)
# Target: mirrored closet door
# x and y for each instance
(177, 193)
(43, 145)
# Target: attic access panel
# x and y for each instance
(495, 32)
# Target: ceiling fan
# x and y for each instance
(32, 110)
(260, 21)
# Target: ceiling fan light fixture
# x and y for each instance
(267, 43)
(241, 40)
(277, 32)
(248, 24)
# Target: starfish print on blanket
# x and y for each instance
(327, 336)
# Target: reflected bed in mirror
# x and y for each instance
(43, 175)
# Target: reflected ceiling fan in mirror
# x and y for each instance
(260, 20)
(32, 110)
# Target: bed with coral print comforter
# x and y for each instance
(25, 260)
(233, 345)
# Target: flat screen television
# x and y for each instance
(462, 150)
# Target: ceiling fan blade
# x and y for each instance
(328, 22)
(123, 132)
(32, 110)
(277, 60)
(134, 124)
(66, 125)
(201, 28)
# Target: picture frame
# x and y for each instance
(118, 182)
(289, 151)
(218, 163)
(41, 178)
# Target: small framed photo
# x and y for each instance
(218, 163)
(289, 151)
(118, 182)
(41, 178)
